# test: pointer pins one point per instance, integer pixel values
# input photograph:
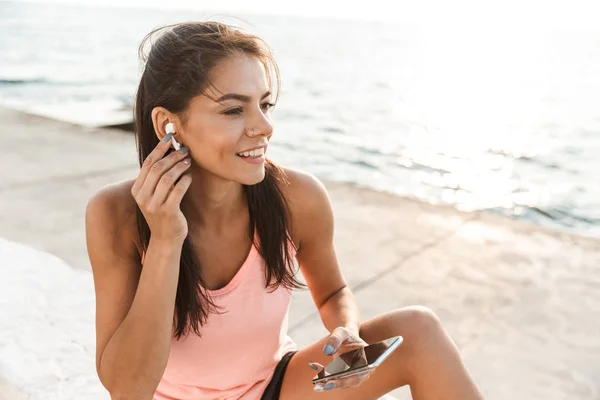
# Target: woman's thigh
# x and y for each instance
(393, 373)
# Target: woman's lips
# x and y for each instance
(254, 160)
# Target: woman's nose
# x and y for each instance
(262, 125)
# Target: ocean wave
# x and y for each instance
(514, 154)
(529, 158)
(557, 217)
(365, 164)
(411, 164)
(565, 214)
(60, 81)
(21, 81)
(333, 129)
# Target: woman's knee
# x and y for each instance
(423, 317)
(417, 323)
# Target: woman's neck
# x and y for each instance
(214, 203)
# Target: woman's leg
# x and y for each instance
(427, 361)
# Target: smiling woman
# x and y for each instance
(193, 260)
(218, 128)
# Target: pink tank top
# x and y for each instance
(236, 355)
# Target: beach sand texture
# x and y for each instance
(522, 302)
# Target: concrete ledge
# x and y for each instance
(520, 301)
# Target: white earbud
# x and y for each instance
(170, 128)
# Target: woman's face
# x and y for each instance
(218, 132)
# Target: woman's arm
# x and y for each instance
(313, 224)
(341, 310)
(134, 306)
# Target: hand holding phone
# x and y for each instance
(351, 368)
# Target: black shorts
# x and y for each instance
(274, 387)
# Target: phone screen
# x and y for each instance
(356, 359)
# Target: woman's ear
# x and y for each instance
(160, 118)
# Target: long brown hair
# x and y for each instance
(176, 70)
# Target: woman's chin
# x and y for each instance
(252, 179)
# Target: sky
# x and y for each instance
(579, 14)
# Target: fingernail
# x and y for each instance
(329, 386)
(329, 350)
(167, 137)
(318, 388)
(313, 366)
(183, 150)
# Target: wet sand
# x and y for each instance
(522, 302)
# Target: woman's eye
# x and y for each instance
(238, 110)
(235, 111)
(267, 106)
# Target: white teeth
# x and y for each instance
(253, 153)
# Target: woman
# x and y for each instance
(193, 259)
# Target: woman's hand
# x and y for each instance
(349, 346)
(159, 189)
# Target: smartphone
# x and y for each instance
(357, 361)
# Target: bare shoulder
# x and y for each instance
(113, 208)
(116, 196)
(308, 201)
(304, 188)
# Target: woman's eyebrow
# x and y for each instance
(240, 97)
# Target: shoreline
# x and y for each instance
(126, 127)
(517, 298)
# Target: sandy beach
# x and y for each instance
(522, 302)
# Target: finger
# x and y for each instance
(335, 340)
(316, 366)
(179, 190)
(167, 182)
(319, 369)
(323, 387)
(155, 155)
(354, 380)
(353, 339)
(348, 382)
(352, 345)
(156, 172)
(363, 376)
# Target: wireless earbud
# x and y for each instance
(170, 128)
